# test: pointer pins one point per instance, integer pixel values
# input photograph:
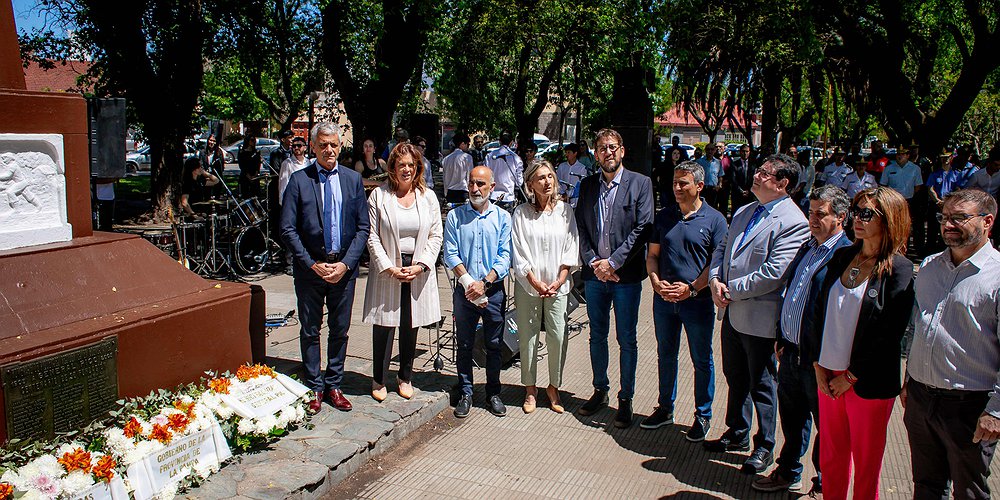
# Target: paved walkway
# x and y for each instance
(482, 456)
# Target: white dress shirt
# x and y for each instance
(569, 177)
(456, 170)
(508, 173)
(543, 242)
(956, 337)
(289, 167)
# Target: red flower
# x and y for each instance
(177, 422)
(6, 491)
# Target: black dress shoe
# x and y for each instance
(464, 406)
(623, 418)
(726, 444)
(496, 406)
(758, 462)
(595, 403)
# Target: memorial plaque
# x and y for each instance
(61, 392)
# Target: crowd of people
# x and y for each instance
(812, 315)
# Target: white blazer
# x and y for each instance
(382, 303)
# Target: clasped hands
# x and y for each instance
(672, 292)
(546, 289)
(604, 271)
(331, 273)
(405, 274)
(830, 385)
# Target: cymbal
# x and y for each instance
(208, 203)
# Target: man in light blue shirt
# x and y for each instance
(477, 248)
(902, 175)
(713, 176)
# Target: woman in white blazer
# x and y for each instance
(546, 248)
(404, 242)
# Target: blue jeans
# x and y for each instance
(698, 319)
(467, 316)
(625, 298)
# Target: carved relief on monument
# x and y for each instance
(32, 190)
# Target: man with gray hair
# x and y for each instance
(680, 250)
(798, 405)
(950, 397)
(324, 224)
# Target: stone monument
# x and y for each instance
(88, 317)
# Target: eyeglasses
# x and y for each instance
(764, 174)
(864, 214)
(957, 219)
(609, 148)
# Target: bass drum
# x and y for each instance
(247, 249)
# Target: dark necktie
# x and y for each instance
(327, 207)
(753, 222)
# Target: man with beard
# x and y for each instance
(477, 249)
(952, 407)
(614, 227)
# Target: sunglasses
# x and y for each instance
(864, 214)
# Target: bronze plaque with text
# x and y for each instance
(61, 392)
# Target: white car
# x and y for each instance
(264, 145)
(139, 161)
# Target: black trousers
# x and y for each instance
(940, 425)
(749, 364)
(798, 407)
(382, 338)
(312, 293)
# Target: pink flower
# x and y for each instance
(159, 420)
(45, 485)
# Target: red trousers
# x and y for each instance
(852, 429)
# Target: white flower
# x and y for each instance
(265, 424)
(76, 482)
(11, 477)
(168, 492)
(47, 485)
(245, 426)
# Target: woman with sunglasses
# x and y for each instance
(862, 310)
(404, 242)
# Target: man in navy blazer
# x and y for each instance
(798, 404)
(615, 218)
(324, 224)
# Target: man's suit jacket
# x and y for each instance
(885, 312)
(302, 220)
(741, 173)
(631, 224)
(815, 284)
(757, 269)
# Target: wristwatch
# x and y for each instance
(694, 291)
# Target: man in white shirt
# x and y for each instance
(903, 176)
(508, 172)
(838, 169)
(858, 181)
(952, 408)
(570, 173)
(456, 170)
(297, 161)
(988, 178)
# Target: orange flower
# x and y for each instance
(177, 422)
(77, 459)
(6, 491)
(220, 385)
(161, 433)
(105, 469)
(187, 408)
(248, 372)
(133, 428)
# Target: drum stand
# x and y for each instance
(215, 261)
(273, 252)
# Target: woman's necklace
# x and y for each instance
(855, 271)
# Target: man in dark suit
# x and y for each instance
(324, 223)
(798, 403)
(741, 179)
(614, 217)
(747, 277)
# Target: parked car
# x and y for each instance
(263, 144)
(139, 161)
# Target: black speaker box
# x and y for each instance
(509, 349)
(106, 124)
(427, 126)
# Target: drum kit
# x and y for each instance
(229, 236)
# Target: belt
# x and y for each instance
(333, 258)
(950, 394)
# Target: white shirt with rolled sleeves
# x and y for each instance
(903, 179)
(542, 243)
(508, 173)
(956, 336)
(456, 170)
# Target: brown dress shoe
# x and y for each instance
(337, 399)
(317, 403)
